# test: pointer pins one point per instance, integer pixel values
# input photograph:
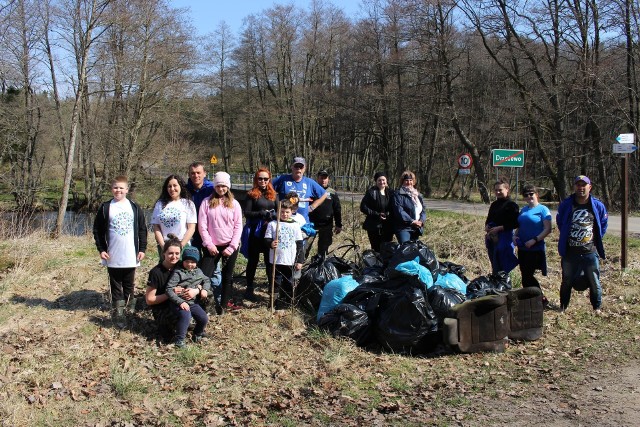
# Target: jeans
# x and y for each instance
(184, 317)
(573, 267)
(406, 235)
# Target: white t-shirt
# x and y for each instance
(288, 234)
(122, 249)
(174, 217)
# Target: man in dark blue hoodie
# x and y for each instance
(200, 188)
(582, 220)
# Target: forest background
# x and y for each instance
(91, 89)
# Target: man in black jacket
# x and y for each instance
(324, 216)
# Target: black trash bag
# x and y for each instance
(343, 266)
(457, 269)
(404, 315)
(387, 249)
(443, 299)
(371, 275)
(493, 284)
(346, 320)
(367, 298)
(408, 251)
(314, 277)
(371, 258)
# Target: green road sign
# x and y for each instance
(508, 158)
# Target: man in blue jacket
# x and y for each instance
(582, 220)
(200, 188)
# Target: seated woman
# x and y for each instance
(174, 213)
(156, 296)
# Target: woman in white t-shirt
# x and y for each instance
(174, 213)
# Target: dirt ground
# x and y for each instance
(604, 399)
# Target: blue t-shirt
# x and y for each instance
(308, 190)
(530, 224)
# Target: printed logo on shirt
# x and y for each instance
(287, 238)
(170, 217)
(122, 223)
(581, 233)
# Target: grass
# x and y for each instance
(62, 362)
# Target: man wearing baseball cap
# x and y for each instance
(310, 193)
(582, 220)
(326, 214)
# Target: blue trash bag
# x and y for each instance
(413, 268)
(334, 292)
(452, 281)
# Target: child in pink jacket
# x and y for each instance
(220, 226)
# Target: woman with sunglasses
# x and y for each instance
(534, 224)
(409, 212)
(259, 209)
(501, 220)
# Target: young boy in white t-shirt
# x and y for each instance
(286, 253)
(120, 232)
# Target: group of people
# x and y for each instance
(198, 230)
(582, 220)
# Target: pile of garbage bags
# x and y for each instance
(397, 299)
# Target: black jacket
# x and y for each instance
(328, 211)
(503, 212)
(373, 204)
(101, 228)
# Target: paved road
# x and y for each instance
(615, 225)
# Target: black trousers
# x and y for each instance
(378, 236)
(257, 247)
(208, 266)
(325, 238)
(121, 281)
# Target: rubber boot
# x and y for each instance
(131, 305)
(117, 315)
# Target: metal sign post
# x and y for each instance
(624, 147)
(508, 158)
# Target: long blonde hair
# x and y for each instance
(214, 200)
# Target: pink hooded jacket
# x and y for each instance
(220, 226)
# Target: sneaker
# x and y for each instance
(198, 338)
(180, 344)
(232, 307)
(597, 312)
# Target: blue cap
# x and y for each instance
(191, 252)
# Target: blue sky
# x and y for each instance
(206, 15)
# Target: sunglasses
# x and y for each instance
(298, 166)
(528, 194)
(261, 178)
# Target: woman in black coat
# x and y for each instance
(259, 209)
(376, 205)
(501, 220)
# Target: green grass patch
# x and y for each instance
(126, 383)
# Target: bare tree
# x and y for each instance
(85, 20)
(22, 124)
